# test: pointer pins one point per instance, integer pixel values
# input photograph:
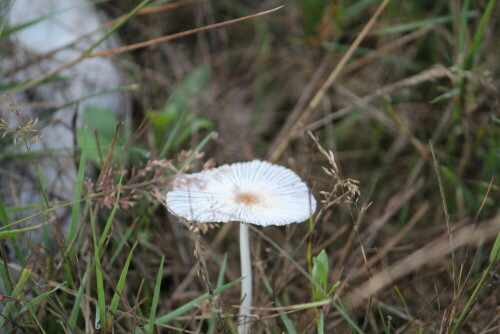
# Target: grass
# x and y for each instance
(401, 99)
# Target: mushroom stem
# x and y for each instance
(246, 284)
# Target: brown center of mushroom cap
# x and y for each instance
(247, 198)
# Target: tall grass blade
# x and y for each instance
(78, 299)
(220, 282)
(109, 221)
(118, 25)
(197, 150)
(80, 178)
(417, 25)
(7, 5)
(156, 297)
(113, 307)
(479, 35)
(119, 247)
(4, 218)
(12, 233)
(191, 305)
(473, 298)
(290, 328)
(462, 34)
(49, 113)
(10, 306)
(35, 302)
(101, 302)
(19, 27)
(495, 251)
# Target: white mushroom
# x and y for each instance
(254, 192)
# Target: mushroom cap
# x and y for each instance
(255, 192)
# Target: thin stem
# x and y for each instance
(246, 284)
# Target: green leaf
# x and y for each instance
(320, 274)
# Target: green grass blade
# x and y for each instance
(25, 219)
(49, 113)
(99, 277)
(33, 22)
(111, 217)
(80, 178)
(473, 298)
(290, 328)
(416, 25)
(288, 257)
(495, 251)
(7, 6)
(197, 150)
(388, 57)
(356, 8)
(118, 25)
(121, 282)
(462, 34)
(340, 308)
(220, 282)
(451, 175)
(479, 35)
(79, 295)
(16, 293)
(121, 244)
(156, 297)
(38, 299)
(6, 280)
(12, 233)
(192, 304)
(4, 217)
(173, 134)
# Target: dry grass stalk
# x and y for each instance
(294, 122)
